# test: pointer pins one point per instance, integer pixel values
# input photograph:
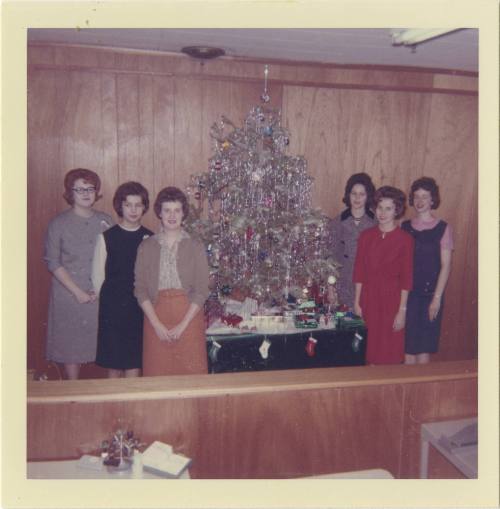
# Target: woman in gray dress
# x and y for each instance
(345, 229)
(69, 248)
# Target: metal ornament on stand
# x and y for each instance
(265, 96)
(118, 453)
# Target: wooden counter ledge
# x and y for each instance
(245, 383)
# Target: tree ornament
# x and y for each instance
(265, 96)
(332, 280)
(226, 290)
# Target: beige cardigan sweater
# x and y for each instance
(192, 267)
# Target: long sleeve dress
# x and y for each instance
(343, 240)
(71, 326)
(384, 267)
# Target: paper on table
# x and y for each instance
(160, 459)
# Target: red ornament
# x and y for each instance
(311, 346)
(249, 233)
(232, 320)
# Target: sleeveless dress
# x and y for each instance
(422, 334)
(119, 339)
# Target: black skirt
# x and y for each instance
(119, 340)
(421, 334)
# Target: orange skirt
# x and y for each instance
(187, 355)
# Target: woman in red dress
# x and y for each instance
(383, 277)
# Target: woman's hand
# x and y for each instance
(399, 320)
(84, 297)
(161, 331)
(176, 332)
(434, 308)
(358, 310)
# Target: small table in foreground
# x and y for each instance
(464, 458)
(69, 469)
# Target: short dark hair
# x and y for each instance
(427, 184)
(365, 180)
(171, 194)
(130, 189)
(394, 194)
(87, 176)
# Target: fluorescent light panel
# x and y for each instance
(412, 36)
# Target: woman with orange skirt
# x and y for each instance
(171, 286)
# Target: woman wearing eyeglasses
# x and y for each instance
(69, 249)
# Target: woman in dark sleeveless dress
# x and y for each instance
(431, 268)
(119, 339)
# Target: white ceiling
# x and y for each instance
(358, 46)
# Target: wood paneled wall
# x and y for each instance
(147, 116)
(261, 425)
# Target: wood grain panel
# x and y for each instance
(284, 426)
(189, 130)
(231, 69)
(440, 468)
(161, 170)
(108, 140)
(142, 115)
(342, 132)
(428, 403)
(42, 159)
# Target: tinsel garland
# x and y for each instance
(252, 208)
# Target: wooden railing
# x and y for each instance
(261, 425)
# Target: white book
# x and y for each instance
(160, 459)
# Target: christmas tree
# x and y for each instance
(252, 208)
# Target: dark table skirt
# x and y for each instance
(335, 347)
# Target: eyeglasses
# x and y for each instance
(84, 190)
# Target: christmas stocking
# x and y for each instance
(311, 346)
(264, 348)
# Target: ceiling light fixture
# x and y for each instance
(203, 52)
(414, 36)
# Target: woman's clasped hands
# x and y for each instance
(170, 335)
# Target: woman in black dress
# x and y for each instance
(119, 339)
(431, 268)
